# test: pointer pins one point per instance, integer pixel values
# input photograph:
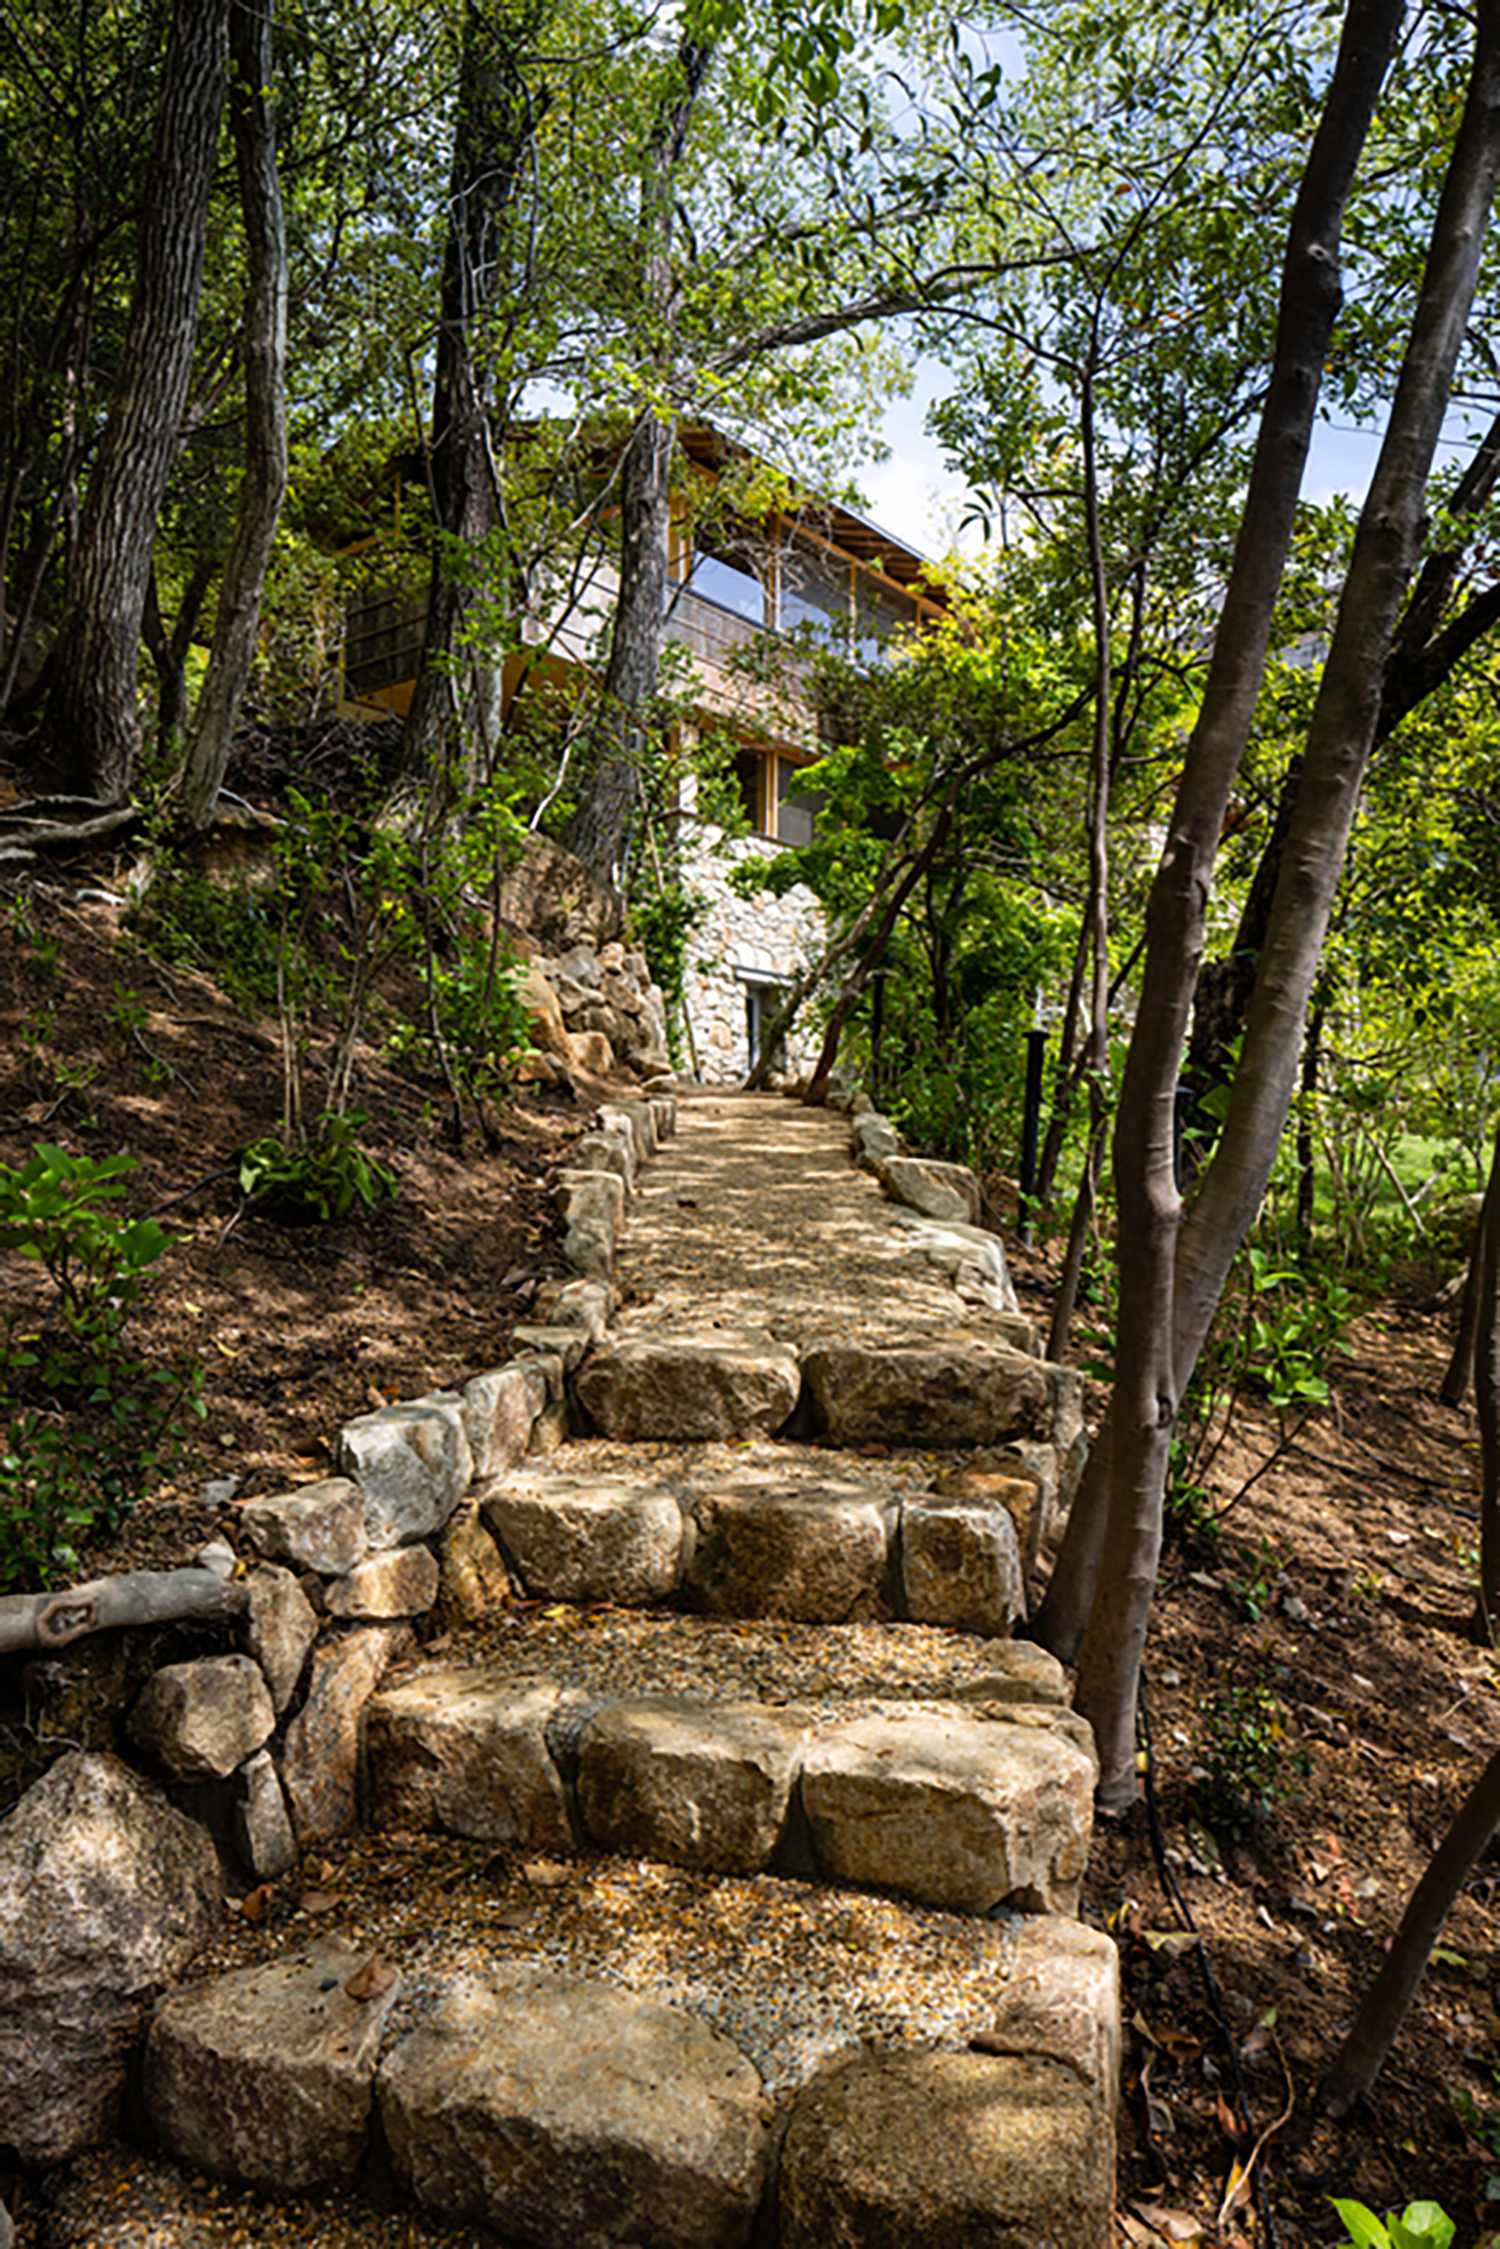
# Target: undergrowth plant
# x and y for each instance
(1248, 1764)
(88, 1425)
(1421, 2225)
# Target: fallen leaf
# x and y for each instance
(1170, 2225)
(1170, 1941)
(514, 1916)
(1229, 2123)
(545, 1874)
(375, 1977)
(254, 1903)
(320, 1901)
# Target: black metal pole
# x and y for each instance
(1036, 1047)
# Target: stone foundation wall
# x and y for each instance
(745, 944)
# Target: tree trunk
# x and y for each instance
(1461, 1365)
(90, 722)
(1154, 1363)
(169, 650)
(599, 828)
(1382, 2011)
(1114, 1534)
(454, 716)
(253, 125)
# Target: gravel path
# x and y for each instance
(754, 1215)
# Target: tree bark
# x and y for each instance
(1382, 2011)
(1153, 1368)
(90, 721)
(454, 718)
(599, 828)
(1114, 1535)
(253, 125)
(107, 1604)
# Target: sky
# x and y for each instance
(918, 498)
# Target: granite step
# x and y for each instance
(778, 1530)
(726, 2061)
(973, 1799)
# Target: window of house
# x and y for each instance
(881, 611)
(771, 799)
(814, 591)
(725, 573)
(797, 808)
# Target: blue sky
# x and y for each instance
(917, 497)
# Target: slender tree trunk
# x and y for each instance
(169, 650)
(264, 487)
(1382, 2011)
(1307, 1093)
(454, 715)
(1118, 1504)
(1461, 1365)
(599, 828)
(90, 723)
(1154, 1365)
(1487, 1402)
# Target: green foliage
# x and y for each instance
(1248, 1765)
(1422, 2225)
(319, 1180)
(665, 924)
(90, 1426)
(50, 1212)
(231, 931)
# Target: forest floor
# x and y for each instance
(1337, 1594)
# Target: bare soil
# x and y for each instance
(1340, 1582)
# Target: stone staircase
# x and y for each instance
(810, 1818)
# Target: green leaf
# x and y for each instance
(1363, 2227)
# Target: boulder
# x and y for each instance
(1059, 2000)
(605, 1151)
(578, 1537)
(317, 1527)
(875, 1140)
(961, 1564)
(281, 1628)
(536, 996)
(263, 1833)
(565, 1343)
(943, 1191)
(927, 1392)
(320, 1761)
(591, 1205)
(401, 1581)
(1021, 1672)
(265, 2076)
(820, 1557)
(498, 1410)
(636, 1118)
(947, 2151)
(593, 1054)
(107, 1894)
(991, 1480)
(454, 1751)
(576, 2116)
(199, 1720)
(692, 1388)
(412, 1463)
(664, 1778)
(972, 1258)
(472, 1578)
(585, 1305)
(552, 896)
(954, 1811)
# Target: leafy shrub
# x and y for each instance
(91, 1426)
(319, 1181)
(1248, 1767)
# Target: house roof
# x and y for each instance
(852, 534)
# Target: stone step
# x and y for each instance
(972, 1799)
(668, 2067)
(778, 1530)
(935, 1387)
